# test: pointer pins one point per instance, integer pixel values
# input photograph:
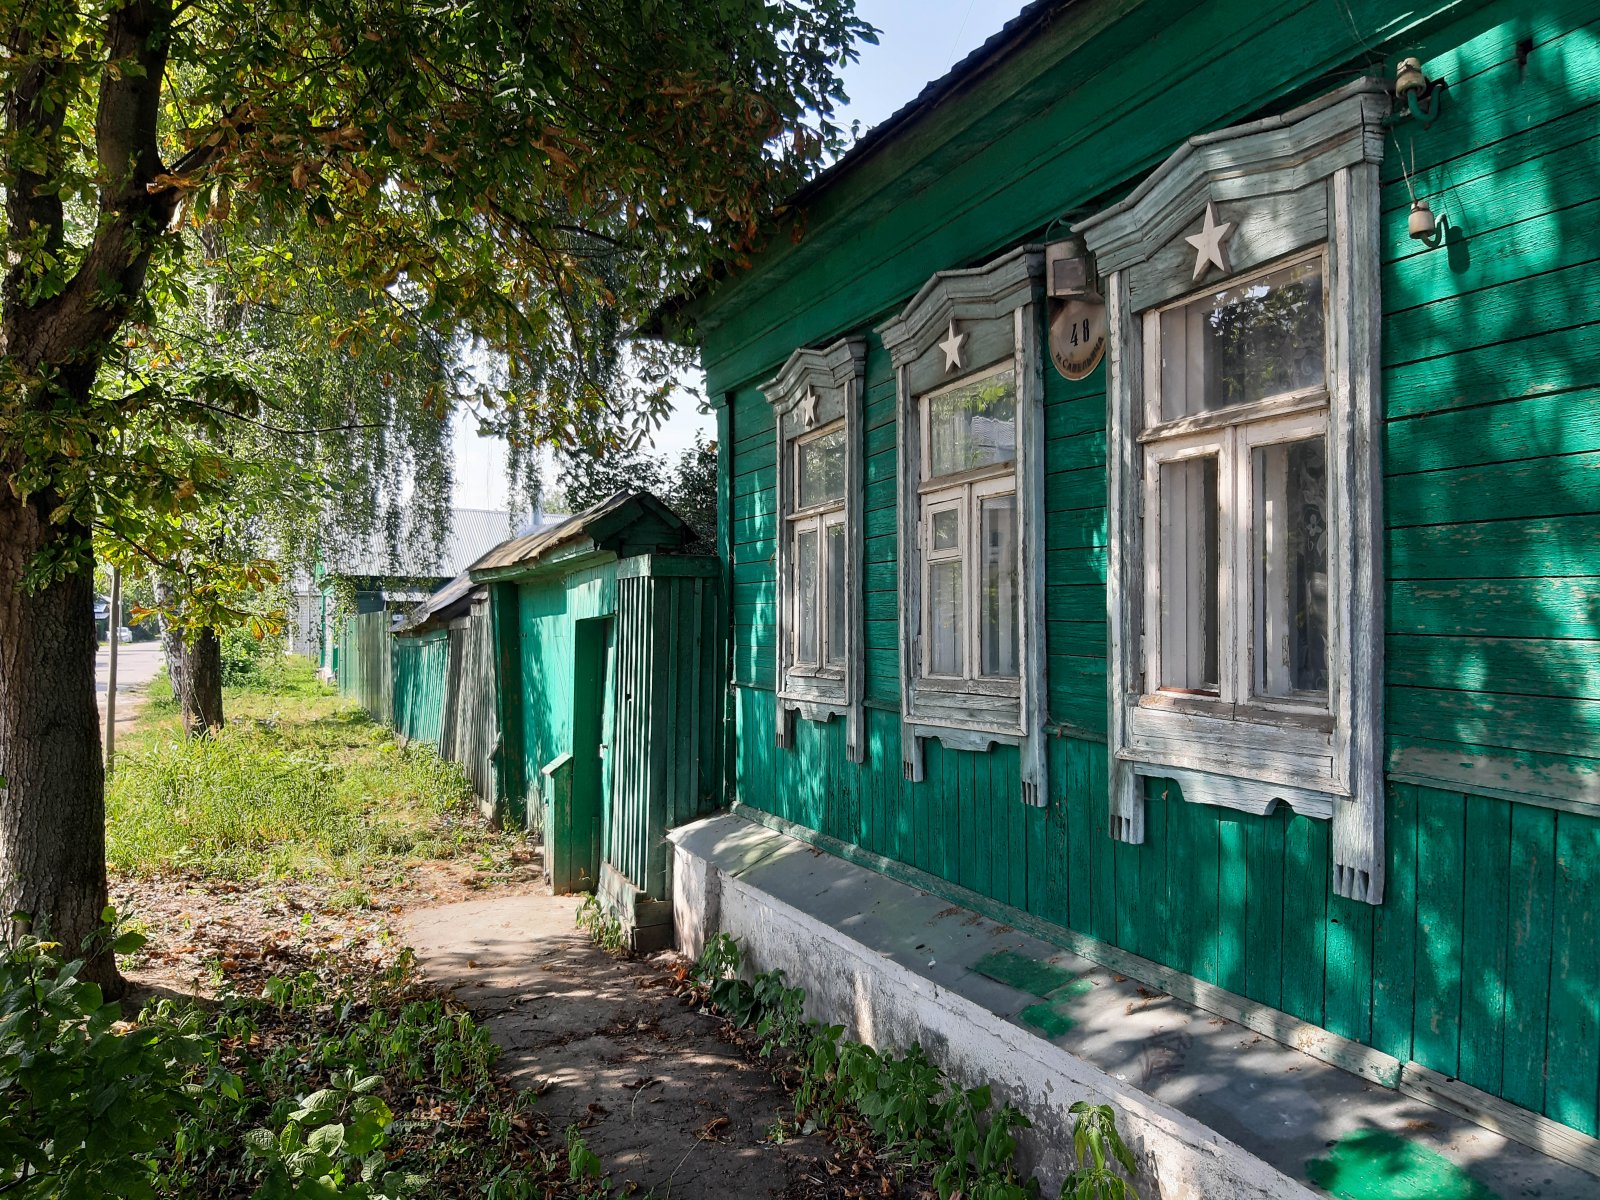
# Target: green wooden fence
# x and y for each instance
(366, 669)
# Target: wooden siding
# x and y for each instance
(420, 673)
(667, 696)
(1484, 961)
(366, 668)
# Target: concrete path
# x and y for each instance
(664, 1101)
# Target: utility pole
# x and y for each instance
(114, 627)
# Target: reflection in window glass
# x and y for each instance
(834, 605)
(819, 469)
(1245, 343)
(946, 529)
(1188, 596)
(806, 596)
(998, 636)
(1291, 559)
(945, 625)
(973, 425)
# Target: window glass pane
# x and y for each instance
(805, 575)
(945, 625)
(819, 469)
(973, 425)
(1244, 343)
(834, 604)
(946, 529)
(998, 547)
(1291, 569)
(1188, 593)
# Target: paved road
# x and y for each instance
(137, 664)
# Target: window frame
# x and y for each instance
(1289, 187)
(819, 392)
(1233, 434)
(817, 518)
(993, 316)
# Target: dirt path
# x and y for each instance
(666, 1103)
(137, 664)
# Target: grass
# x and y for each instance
(299, 783)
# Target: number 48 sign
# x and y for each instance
(1077, 335)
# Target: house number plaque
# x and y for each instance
(1077, 335)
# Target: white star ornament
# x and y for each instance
(952, 347)
(1211, 244)
(808, 408)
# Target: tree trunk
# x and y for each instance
(202, 683)
(52, 790)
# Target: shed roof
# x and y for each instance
(626, 522)
(449, 602)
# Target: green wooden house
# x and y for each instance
(608, 697)
(1161, 505)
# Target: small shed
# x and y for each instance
(609, 684)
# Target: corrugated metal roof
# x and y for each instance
(472, 532)
(448, 602)
(616, 512)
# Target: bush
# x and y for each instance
(91, 1105)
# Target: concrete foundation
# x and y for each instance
(1212, 1109)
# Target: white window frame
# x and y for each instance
(994, 317)
(817, 393)
(817, 519)
(1230, 435)
(1290, 187)
(964, 493)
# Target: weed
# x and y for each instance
(905, 1099)
(605, 929)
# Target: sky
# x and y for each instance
(918, 41)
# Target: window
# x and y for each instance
(816, 401)
(817, 540)
(1245, 573)
(967, 354)
(969, 526)
(1236, 479)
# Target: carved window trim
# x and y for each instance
(1287, 185)
(817, 390)
(994, 316)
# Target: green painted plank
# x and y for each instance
(1518, 608)
(1348, 969)
(1180, 821)
(1233, 886)
(1394, 932)
(1532, 428)
(1441, 829)
(1574, 1029)
(1127, 866)
(1535, 723)
(1264, 907)
(1485, 926)
(1205, 890)
(1543, 547)
(1527, 996)
(1102, 876)
(1083, 826)
(1155, 909)
(1525, 666)
(1305, 909)
(1496, 316)
(1541, 364)
(1484, 259)
(1537, 487)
